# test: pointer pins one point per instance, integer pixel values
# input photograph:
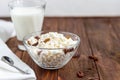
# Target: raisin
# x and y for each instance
(80, 74)
(46, 40)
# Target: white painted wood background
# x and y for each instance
(74, 8)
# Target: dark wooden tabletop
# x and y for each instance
(97, 58)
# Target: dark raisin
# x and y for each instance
(39, 52)
(80, 74)
(29, 42)
(65, 51)
(71, 49)
(76, 55)
(68, 50)
(35, 44)
(89, 68)
(93, 57)
(37, 37)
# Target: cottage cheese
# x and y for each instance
(60, 49)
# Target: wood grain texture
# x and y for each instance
(100, 37)
(105, 45)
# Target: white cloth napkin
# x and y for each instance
(6, 30)
(7, 72)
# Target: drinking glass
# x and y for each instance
(27, 16)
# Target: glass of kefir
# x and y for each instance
(27, 16)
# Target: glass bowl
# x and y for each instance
(50, 57)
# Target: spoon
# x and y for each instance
(9, 61)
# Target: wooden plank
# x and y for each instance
(82, 63)
(116, 26)
(62, 24)
(12, 44)
(50, 24)
(104, 43)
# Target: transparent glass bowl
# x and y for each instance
(51, 58)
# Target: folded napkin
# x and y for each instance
(6, 30)
(7, 72)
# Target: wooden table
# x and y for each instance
(100, 38)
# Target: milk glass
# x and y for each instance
(27, 16)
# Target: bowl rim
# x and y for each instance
(31, 34)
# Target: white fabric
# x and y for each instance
(7, 72)
(6, 30)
